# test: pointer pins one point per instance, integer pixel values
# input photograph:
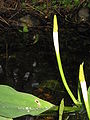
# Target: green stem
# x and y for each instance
(64, 79)
(56, 45)
(84, 89)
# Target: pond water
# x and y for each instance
(27, 60)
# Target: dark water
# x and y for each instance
(25, 64)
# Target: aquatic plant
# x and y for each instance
(84, 89)
(61, 109)
(56, 45)
(25, 29)
(14, 104)
(81, 74)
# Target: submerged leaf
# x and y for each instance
(14, 104)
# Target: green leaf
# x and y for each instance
(77, 2)
(20, 31)
(61, 109)
(89, 5)
(25, 29)
(14, 104)
(3, 118)
(89, 96)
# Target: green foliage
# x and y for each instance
(77, 2)
(82, 85)
(84, 89)
(61, 109)
(69, 4)
(88, 5)
(56, 45)
(45, 7)
(89, 96)
(72, 109)
(25, 29)
(14, 104)
(3, 118)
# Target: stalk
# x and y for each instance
(56, 45)
(84, 89)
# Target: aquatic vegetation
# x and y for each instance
(56, 45)
(14, 104)
(84, 89)
(81, 74)
(25, 29)
(61, 109)
(3, 118)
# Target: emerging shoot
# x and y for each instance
(56, 45)
(84, 89)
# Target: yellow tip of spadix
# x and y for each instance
(55, 25)
(81, 73)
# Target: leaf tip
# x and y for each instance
(55, 26)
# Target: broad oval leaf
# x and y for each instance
(14, 104)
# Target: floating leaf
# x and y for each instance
(14, 104)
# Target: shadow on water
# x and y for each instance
(25, 63)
